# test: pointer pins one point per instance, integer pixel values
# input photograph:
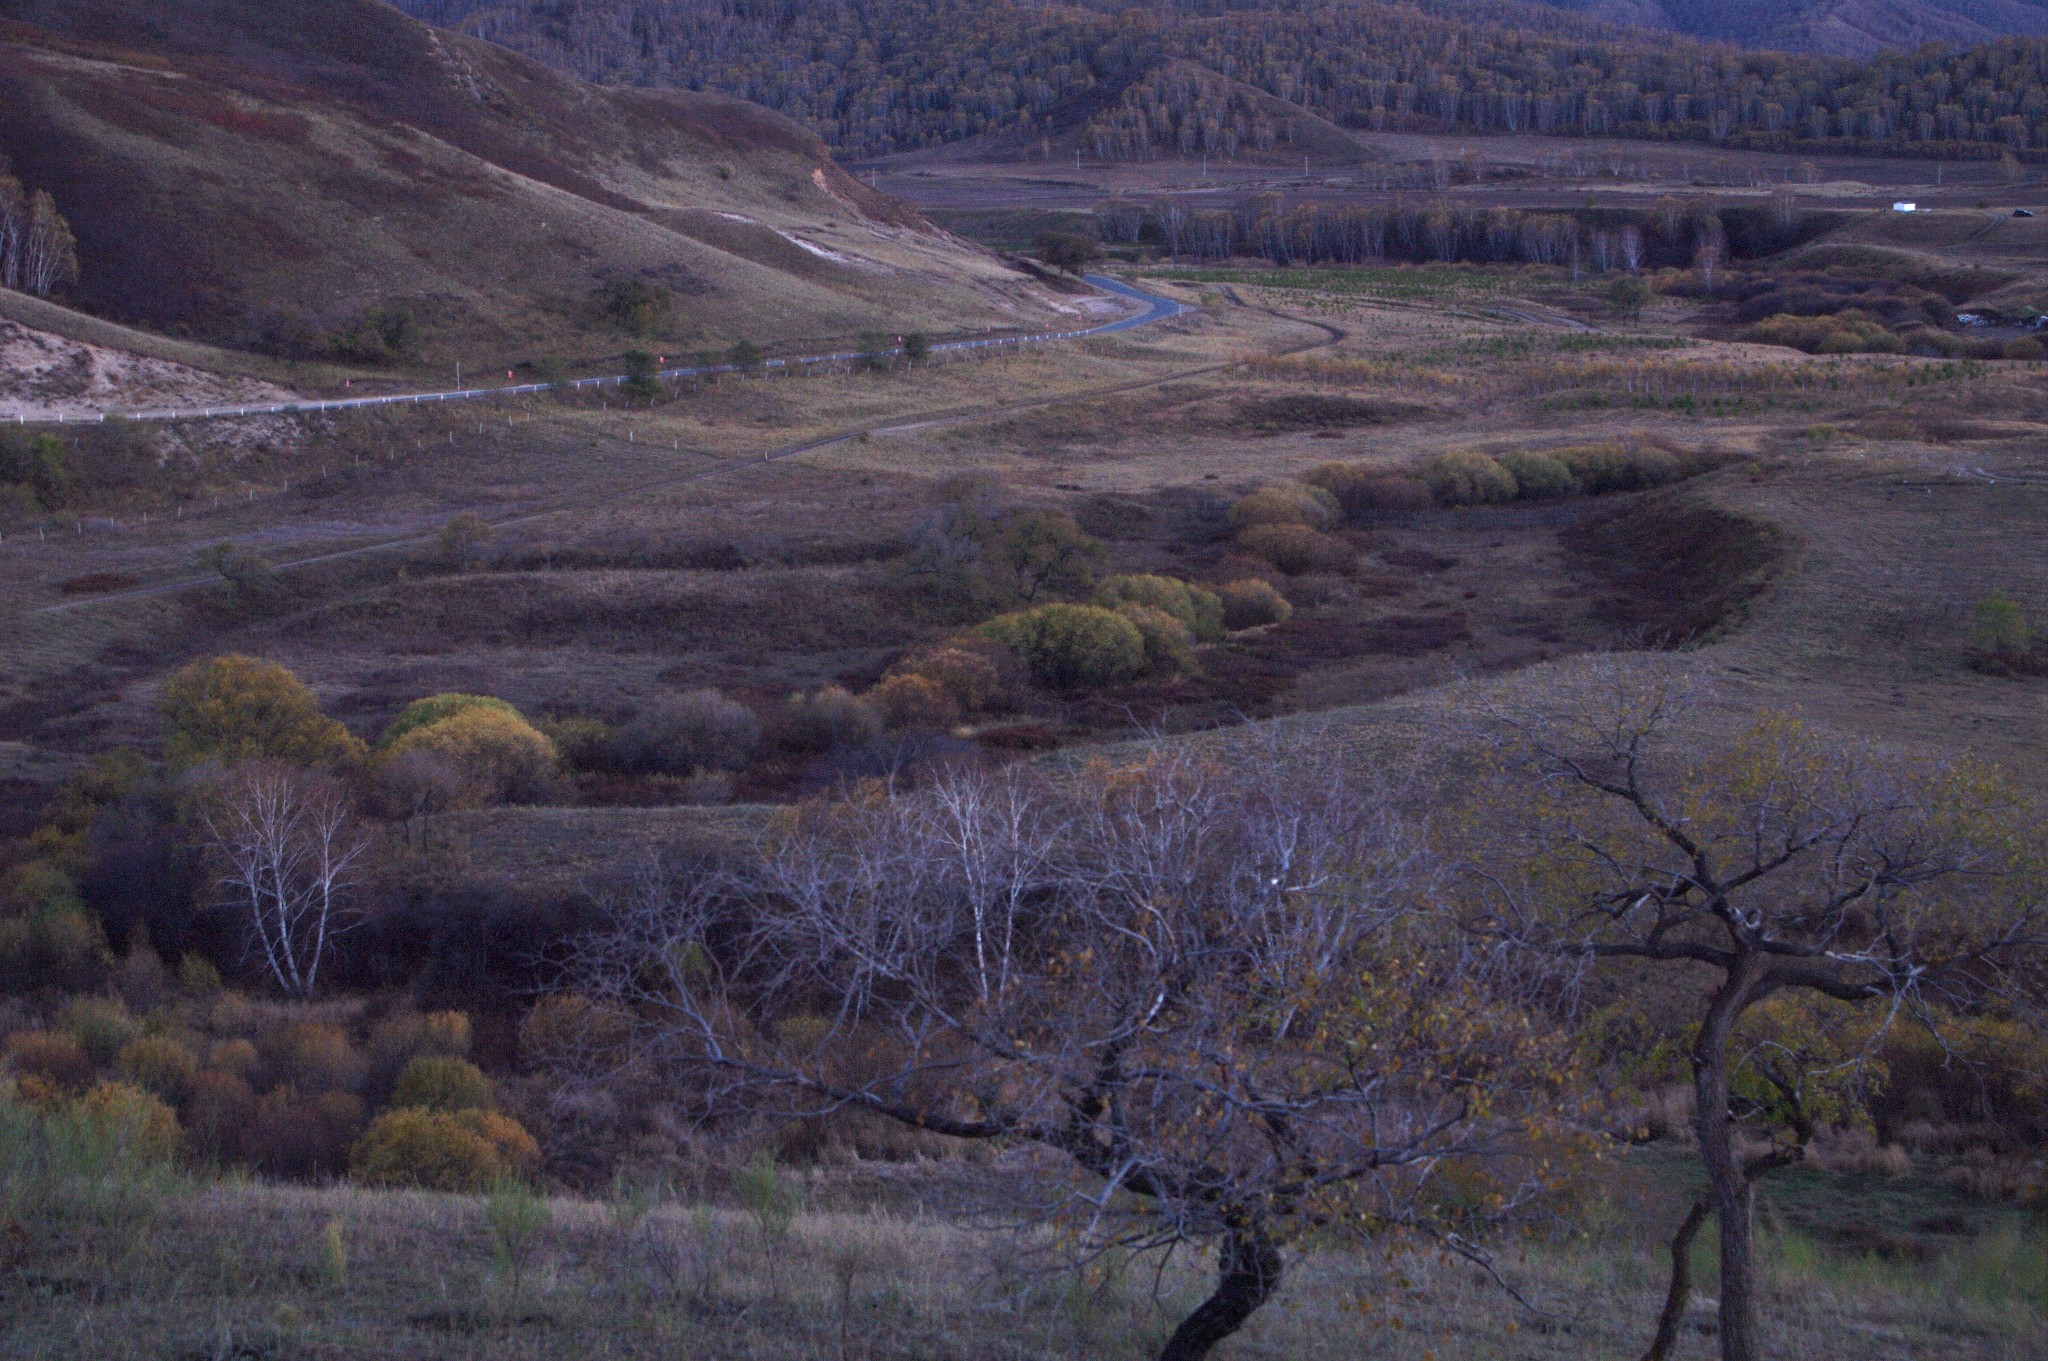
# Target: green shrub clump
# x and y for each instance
(50, 941)
(1296, 549)
(2001, 640)
(496, 753)
(424, 713)
(101, 1025)
(1466, 477)
(468, 1150)
(1295, 503)
(440, 1083)
(237, 708)
(1071, 647)
(1252, 603)
(1200, 612)
(1539, 477)
(1169, 647)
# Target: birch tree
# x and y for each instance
(49, 254)
(287, 855)
(13, 230)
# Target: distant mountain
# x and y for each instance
(322, 175)
(1110, 76)
(1852, 28)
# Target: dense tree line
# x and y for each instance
(874, 76)
(1670, 232)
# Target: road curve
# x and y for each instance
(1156, 309)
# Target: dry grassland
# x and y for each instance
(246, 1270)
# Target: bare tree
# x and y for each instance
(417, 784)
(287, 853)
(1202, 1005)
(1782, 863)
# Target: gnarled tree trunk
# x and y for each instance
(1681, 1282)
(1730, 1191)
(1249, 1275)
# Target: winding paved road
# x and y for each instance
(1156, 309)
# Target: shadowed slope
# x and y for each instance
(253, 172)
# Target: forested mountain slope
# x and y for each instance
(333, 177)
(875, 76)
(1857, 28)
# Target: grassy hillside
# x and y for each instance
(295, 177)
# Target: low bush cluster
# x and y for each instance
(1539, 477)
(1466, 477)
(206, 1074)
(1472, 477)
(47, 937)
(684, 734)
(1296, 549)
(2001, 639)
(487, 745)
(909, 701)
(1169, 646)
(1847, 332)
(236, 708)
(978, 675)
(436, 1150)
(1252, 603)
(443, 1083)
(1199, 611)
(1071, 647)
(1363, 490)
(1292, 503)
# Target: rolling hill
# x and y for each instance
(333, 176)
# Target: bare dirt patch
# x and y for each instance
(48, 377)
